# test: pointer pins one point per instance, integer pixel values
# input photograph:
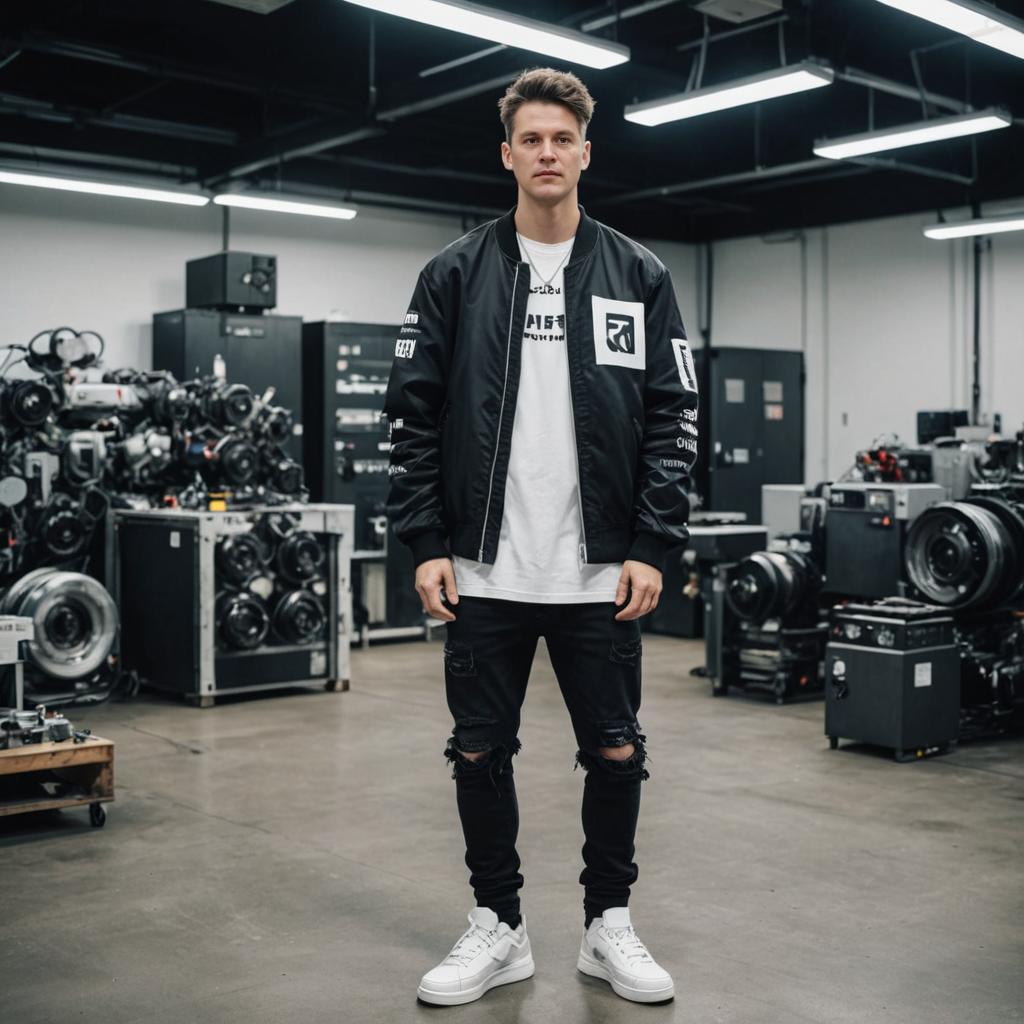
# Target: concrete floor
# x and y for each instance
(298, 858)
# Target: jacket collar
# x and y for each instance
(586, 237)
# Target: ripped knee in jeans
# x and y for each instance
(477, 736)
(612, 736)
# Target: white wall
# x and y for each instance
(681, 261)
(895, 332)
(883, 316)
(108, 264)
(1002, 351)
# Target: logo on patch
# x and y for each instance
(412, 318)
(405, 347)
(620, 333)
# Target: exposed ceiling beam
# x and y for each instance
(418, 171)
(82, 158)
(13, 55)
(331, 135)
(43, 110)
(830, 174)
(661, 191)
(909, 92)
(160, 68)
(290, 146)
(901, 165)
(443, 99)
(754, 26)
(134, 97)
(782, 171)
(458, 62)
(624, 14)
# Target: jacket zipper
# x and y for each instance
(572, 412)
(501, 413)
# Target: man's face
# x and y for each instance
(547, 153)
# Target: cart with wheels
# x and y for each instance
(47, 776)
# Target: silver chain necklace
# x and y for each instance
(533, 266)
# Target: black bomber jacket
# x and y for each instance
(451, 397)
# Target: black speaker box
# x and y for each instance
(230, 281)
(892, 678)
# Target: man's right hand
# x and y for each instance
(432, 577)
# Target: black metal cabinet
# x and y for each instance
(345, 377)
(345, 370)
(751, 423)
(259, 351)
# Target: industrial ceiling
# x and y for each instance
(321, 97)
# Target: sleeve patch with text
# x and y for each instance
(684, 363)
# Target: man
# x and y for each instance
(543, 413)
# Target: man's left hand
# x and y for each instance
(645, 583)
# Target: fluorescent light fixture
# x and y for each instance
(510, 29)
(278, 205)
(981, 226)
(101, 188)
(913, 134)
(980, 22)
(737, 93)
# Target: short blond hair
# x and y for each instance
(546, 85)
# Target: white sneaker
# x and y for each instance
(489, 953)
(612, 950)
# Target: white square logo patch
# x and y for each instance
(405, 347)
(619, 338)
(684, 361)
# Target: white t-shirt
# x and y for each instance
(540, 547)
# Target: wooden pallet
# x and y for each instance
(87, 768)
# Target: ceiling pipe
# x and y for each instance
(264, 156)
(625, 14)
(43, 110)
(901, 165)
(13, 55)
(458, 62)
(159, 68)
(420, 171)
(662, 191)
(82, 159)
(909, 92)
(695, 44)
(781, 171)
(433, 102)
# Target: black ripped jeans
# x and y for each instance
(488, 656)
